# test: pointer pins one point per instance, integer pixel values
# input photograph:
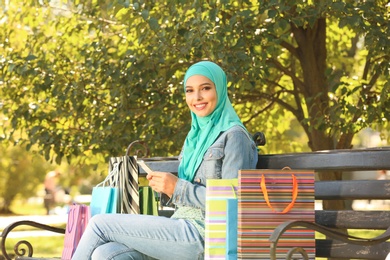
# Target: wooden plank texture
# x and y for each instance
(353, 219)
(358, 159)
(340, 250)
(352, 189)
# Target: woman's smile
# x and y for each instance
(200, 106)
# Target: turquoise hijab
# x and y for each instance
(205, 130)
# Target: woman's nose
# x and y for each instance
(198, 95)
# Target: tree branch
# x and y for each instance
(286, 71)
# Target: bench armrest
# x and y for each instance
(331, 233)
(18, 251)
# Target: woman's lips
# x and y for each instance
(200, 106)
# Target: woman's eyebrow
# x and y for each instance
(200, 85)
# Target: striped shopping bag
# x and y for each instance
(218, 191)
(123, 173)
(267, 198)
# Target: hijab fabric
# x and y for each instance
(205, 130)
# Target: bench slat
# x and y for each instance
(352, 189)
(367, 159)
(340, 250)
(361, 160)
(353, 219)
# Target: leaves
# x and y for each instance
(90, 80)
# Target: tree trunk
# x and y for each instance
(312, 56)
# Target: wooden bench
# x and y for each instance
(331, 223)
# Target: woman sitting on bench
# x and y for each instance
(216, 147)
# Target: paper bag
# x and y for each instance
(267, 198)
(148, 202)
(78, 218)
(104, 200)
(231, 228)
(217, 193)
(123, 172)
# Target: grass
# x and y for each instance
(21, 207)
(43, 246)
(354, 232)
(50, 246)
(358, 233)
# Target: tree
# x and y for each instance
(20, 173)
(86, 79)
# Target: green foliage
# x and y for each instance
(20, 174)
(86, 79)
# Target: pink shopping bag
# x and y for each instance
(78, 218)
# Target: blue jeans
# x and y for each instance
(127, 236)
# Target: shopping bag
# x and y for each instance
(231, 228)
(148, 202)
(217, 193)
(123, 172)
(78, 217)
(267, 198)
(105, 196)
(104, 200)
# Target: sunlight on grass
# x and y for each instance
(362, 233)
(23, 208)
(353, 232)
(43, 246)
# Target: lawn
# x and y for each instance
(44, 246)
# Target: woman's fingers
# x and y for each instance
(164, 182)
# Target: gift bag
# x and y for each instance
(217, 193)
(104, 197)
(148, 203)
(104, 200)
(123, 172)
(78, 217)
(231, 228)
(267, 198)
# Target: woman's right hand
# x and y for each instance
(164, 182)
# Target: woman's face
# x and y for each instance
(201, 95)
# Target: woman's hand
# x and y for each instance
(164, 182)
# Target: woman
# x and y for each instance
(216, 147)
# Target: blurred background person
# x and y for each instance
(50, 183)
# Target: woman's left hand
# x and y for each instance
(164, 182)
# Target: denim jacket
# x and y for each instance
(233, 150)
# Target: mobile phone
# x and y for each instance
(145, 167)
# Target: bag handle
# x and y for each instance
(294, 194)
(112, 177)
(234, 191)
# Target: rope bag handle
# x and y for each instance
(294, 193)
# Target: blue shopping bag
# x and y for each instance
(231, 228)
(104, 200)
